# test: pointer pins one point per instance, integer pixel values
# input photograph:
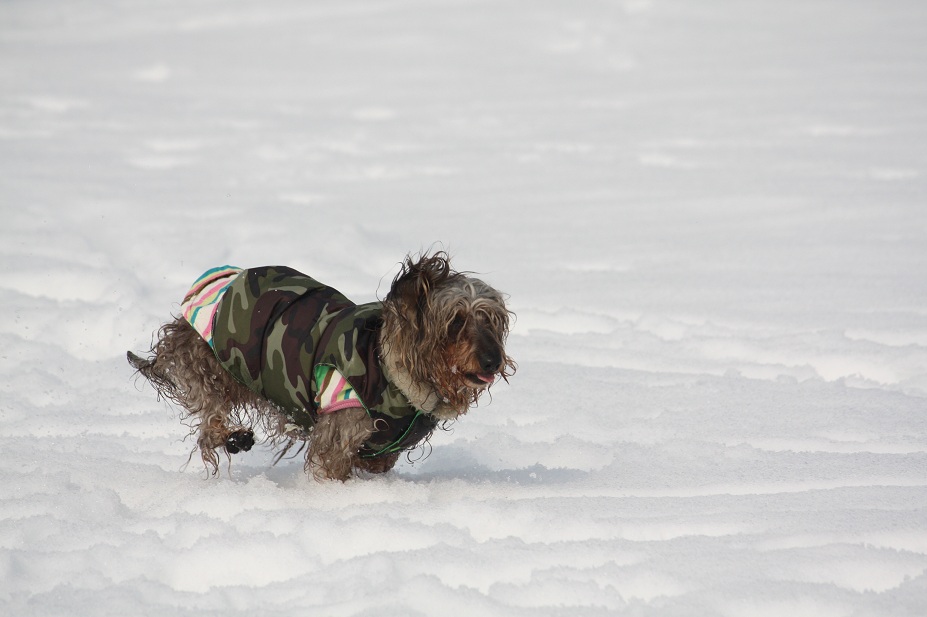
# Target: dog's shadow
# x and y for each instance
(426, 471)
(475, 473)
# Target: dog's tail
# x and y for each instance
(144, 366)
(149, 369)
(138, 363)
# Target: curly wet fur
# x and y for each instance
(443, 337)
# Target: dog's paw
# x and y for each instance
(239, 441)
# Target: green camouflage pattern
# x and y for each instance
(275, 325)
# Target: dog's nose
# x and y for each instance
(490, 362)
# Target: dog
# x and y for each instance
(354, 386)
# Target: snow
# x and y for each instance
(709, 217)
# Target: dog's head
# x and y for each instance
(445, 332)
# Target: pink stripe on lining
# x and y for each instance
(206, 288)
(207, 331)
(209, 292)
(348, 404)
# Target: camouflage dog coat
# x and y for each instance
(305, 347)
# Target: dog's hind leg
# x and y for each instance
(183, 368)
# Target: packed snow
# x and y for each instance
(710, 220)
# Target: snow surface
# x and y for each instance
(710, 217)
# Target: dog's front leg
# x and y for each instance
(335, 442)
(379, 464)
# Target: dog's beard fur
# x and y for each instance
(442, 344)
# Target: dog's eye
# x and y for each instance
(456, 326)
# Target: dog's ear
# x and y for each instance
(417, 278)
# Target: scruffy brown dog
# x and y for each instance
(274, 349)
